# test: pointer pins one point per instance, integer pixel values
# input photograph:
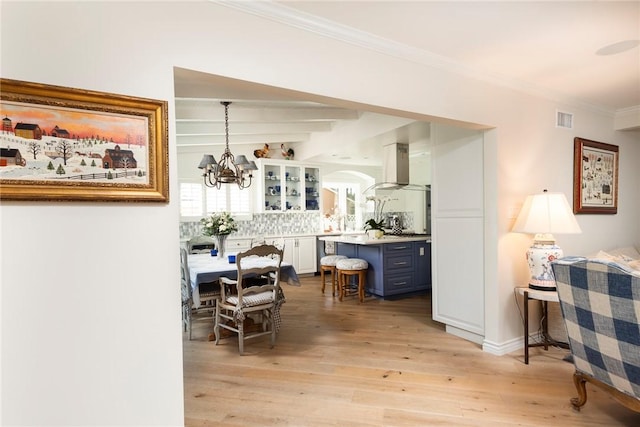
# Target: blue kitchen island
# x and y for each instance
(398, 265)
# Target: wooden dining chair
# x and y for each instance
(251, 296)
(200, 244)
(208, 292)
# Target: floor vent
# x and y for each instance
(564, 120)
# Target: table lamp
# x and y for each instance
(543, 214)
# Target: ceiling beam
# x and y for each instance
(218, 128)
(244, 111)
(274, 140)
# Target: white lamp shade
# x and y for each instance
(546, 213)
(241, 161)
(251, 167)
(207, 160)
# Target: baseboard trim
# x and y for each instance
(469, 336)
(495, 348)
(500, 349)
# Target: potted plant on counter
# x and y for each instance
(374, 228)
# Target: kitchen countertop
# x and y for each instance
(362, 239)
(320, 234)
(308, 234)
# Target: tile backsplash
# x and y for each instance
(267, 224)
(287, 223)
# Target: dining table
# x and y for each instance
(204, 268)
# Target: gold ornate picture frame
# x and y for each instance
(595, 177)
(64, 144)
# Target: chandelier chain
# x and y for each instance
(226, 124)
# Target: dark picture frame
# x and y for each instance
(595, 177)
(66, 144)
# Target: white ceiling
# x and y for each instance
(547, 47)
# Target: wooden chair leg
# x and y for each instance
(344, 279)
(322, 277)
(332, 276)
(240, 326)
(580, 383)
(216, 327)
(273, 329)
(361, 278)
(344, 284)
(333, 282)
(186, 318)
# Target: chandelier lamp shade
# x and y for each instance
(229, 169)
(543, 215)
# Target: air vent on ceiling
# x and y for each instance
(564, 120)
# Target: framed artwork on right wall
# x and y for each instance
(595, 177)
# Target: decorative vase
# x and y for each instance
(220, 244)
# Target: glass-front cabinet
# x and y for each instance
(287, 185)
(312, 188)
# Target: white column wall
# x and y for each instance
(89, 292)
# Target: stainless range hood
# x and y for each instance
(395, 169)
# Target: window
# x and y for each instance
(347, 203)
(197, 200)
(190, 199)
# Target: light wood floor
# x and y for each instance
(381, 363)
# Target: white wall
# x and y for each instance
(532, 156)
(91, 330)
(91, 322)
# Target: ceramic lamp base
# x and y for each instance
(539, 257)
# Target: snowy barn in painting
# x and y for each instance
(118, 158)
(11, 157)
(28, 131)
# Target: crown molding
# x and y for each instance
(627, 118)
(295, 18)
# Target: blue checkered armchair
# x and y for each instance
(600, 303)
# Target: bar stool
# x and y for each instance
(347, 268)
(328, 264)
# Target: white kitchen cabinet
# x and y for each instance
(234, 245)
(459, 231)
(287, 185)
(299, 252)
(306, 255)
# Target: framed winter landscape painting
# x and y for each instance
(63, 144)
(595, 177)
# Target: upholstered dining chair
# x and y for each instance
(209, 292)
(200, 244)
(251, 295)
(258, 240)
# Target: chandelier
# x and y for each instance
(228, 170)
